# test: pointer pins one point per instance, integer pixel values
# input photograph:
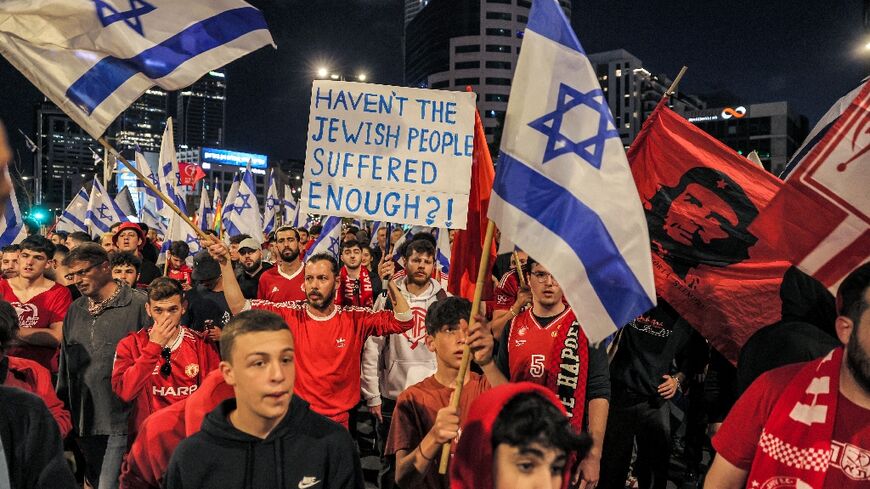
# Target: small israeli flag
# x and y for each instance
(272, 205)
(73, 217)
(329, 240)
(244, 215)
(102, 211)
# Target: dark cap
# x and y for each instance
(205, 267)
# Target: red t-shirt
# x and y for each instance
(328, 352)
(415, 413)
(530, 345)
(182, 274)
(738, 437)
(277, 287)
(136, 373)
(39, 312)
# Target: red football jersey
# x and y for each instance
(182, 274)
(328, 351)
(530, 345)
(278, 287)
(39, 312)
(136, 375)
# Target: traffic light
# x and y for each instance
(39, 214)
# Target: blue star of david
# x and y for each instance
(190, 239)
(154, 180)
(271, 203)
(551, 124)
(109, 15)
(245, 204)
(333, 245)
(102, 210)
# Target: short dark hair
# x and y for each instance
(179, 249)
(60, 251)
(530, 418)
(62, 234)
(850, 295)
(252, 321)
(13, 248)
(301, 228)
(80, 236)
(238, 238)
(446, 312)
(324, 257)
(287, 228)
(351, 243)
(39, 244)
(316, 229)
(351, 229)
(422, 246)
(163, 288)
(8, 324)
(121, 258)
(90, 253)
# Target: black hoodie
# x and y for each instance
(305, 450)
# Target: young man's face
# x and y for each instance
(250, 259)
(125, 273)
(57, 239)
(351, 257)
(396, 235)
(303, 236)
(107, 244)
(261, 370)
(419, 268)
(447, 345)
(9, 265)
(170, 309)
(287, 245)
(545, 289)
(366, 257)
(175, 262)
(128, 240)
(319, 284)
(31, 264)
(382, 237)
(529, 467)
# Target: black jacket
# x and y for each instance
(30, 443)
(304, 450)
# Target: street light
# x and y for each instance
(322, 72)
(334, 76)
(361, 77)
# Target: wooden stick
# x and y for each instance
(148, 183)
(520, 276)
(482, 273)
(676, 82)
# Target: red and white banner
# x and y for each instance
(190, 173)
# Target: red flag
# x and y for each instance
(700, 197)
(190, 173)
(820, 220)
(468, 243)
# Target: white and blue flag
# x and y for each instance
(102, 210)
(73, 217)
(179, 230)
(563, 191)
(93, 58)
(243, 215)
(329, 240)
(291, 209)
(168, 173)
(397, 246)
(124, 201)
(12, 229)
(271, 206)
(205, 213)
(145, 169)
(442, 252)
(227, 210)
(377, 225)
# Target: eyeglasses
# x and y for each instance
(543, 277)
(81, 273)
(166, 368)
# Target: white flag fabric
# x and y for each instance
(205, 213)
(244, 215)
(227, 211)
(12, 229)
(374, 241)
(442, 254)
(179, 230)
(291, 211)
(271, 206)
(329, 240)
(217, 205)
(102, 211)
(145, 169)
(94, 58)
(73, 217)
(167, 168)
(124, 201)
(563, 191)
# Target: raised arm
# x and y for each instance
(232, 291)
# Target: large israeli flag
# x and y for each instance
(244, 215)
(271, 206)
(563, 191)
(205, 213)
(12, 229)
(93, 58)
(102, 210)
(73, 217)
(329, 240)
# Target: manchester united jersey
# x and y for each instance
(279, 287)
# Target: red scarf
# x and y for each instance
(795, 444)
(567, 370)
(355, 292)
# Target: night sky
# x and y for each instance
(805, 52)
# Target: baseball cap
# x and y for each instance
(249, 243)
(129, 225)
(205, 267)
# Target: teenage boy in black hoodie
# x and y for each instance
(264, 437)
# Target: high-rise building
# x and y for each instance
(451, 44)
(143, 122)
(412, 8)
(201, 112)
(222, 165)
(632, 92)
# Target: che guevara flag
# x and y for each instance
(700, 198)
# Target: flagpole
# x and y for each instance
(148, 183)
(482, 273)
(673, 87)
(520, 276)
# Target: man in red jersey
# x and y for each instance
(285, 281)
(806, 425)
(546, 345)
(163, 364)
(41, 304)
(329, 339)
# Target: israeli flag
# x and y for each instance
(563, 191)
(443, 252)
(73, 217)
(12, 229)
(291, 211)
(102, 211)
(329, 240)
(124, 201)
(244, 214)
(374, 241)
(272, 205)
(179, 230)
(169, 174)
(145, 169)
(95, 58)
(227, 211)
(397, 246)
(153, 220)
(217, 206)
(205, 213)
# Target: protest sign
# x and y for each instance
(387, 153)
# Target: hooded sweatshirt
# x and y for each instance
(471, 466)
(391, 364)
(305, 450)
